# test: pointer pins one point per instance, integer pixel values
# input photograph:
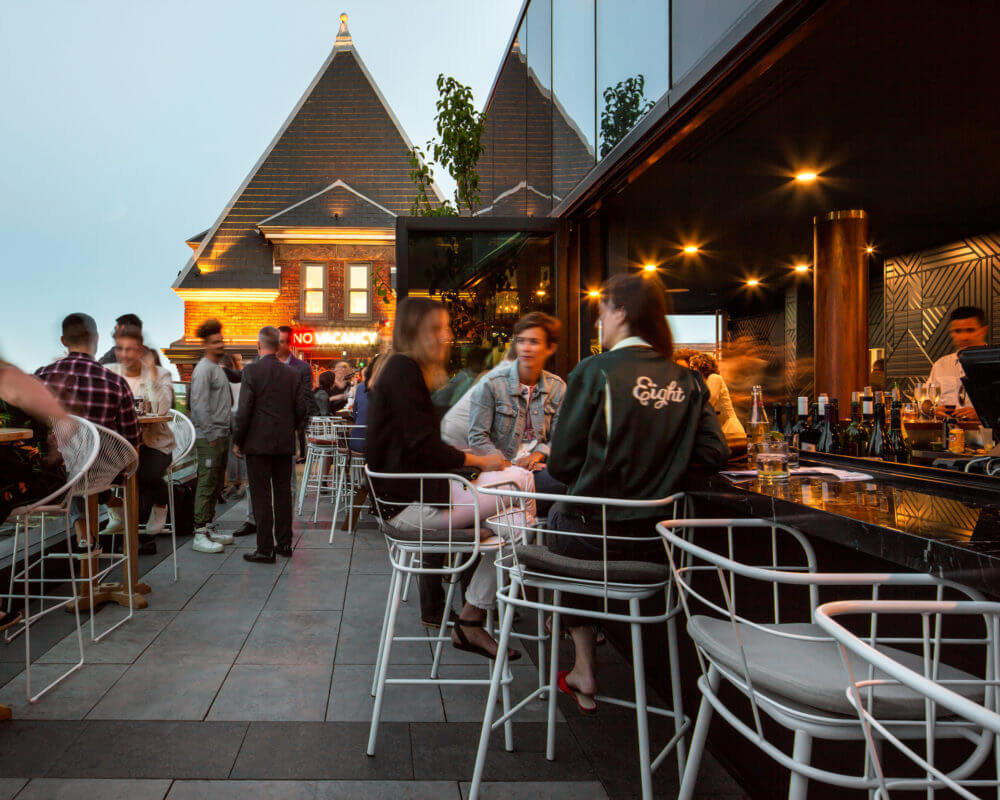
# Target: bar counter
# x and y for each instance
(917, 518)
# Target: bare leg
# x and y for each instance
(476, 636)
(583, 676)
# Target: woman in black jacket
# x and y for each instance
(404, 436)
(631, 423)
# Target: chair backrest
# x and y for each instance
(637, 535)
(79, 445)
(116, 458)
(418, 535)
(184, 437)
(322, 429)
(742, 571)
(883, 670)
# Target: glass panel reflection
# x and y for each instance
(632, 64)
(573, 117)
(696, 25)
(538, 106)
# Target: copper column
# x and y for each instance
(840, 304)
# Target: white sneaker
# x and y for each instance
(222, 537)
(157, 520)
(202, 544)
(116, 522)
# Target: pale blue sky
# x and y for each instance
(128, 124)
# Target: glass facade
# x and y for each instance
(578, 77)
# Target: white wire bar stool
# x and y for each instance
(184, 438)
(321, 452)
(740, 582)
(79, 444)
(352, 485)
(966, 708)
(555, 577)
(460, 548)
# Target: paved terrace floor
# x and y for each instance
(252, 681)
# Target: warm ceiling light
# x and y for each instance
(753, 282)
(869, 249)
(801, 267)
(691, 249)
(650, 267)
(540, 293)
(806, 177)
(593, 294)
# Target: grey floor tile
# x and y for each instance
(467, 703)
(87, 789)
(242, 591)
(168, 595)
(162, 691)
(314, 790)
(235, 564)
(292, 637)
(319, 561)
(358, 642)
(553, 790)
(210, 634)
(351, 700)
(10, 787)
(300, 592)
(71, 699)
(323, 751)
(275, 693)
(448, 751)
(370, 561)
(29, 749)
(123, 646)
(45, 634)
(9, 669)
(319, 539)
(127, 749)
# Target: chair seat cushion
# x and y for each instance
(408, 534)
(811, 673)
(541, 559)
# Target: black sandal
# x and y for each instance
(468, 647)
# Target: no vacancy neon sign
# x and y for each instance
(332, 337)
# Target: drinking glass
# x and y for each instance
(772, 461)
(933, 393)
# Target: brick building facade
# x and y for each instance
(308, 240)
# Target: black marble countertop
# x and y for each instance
(943, 524)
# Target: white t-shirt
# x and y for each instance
(723, 405)
(947, 372)
(153, 384)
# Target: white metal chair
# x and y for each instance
(184, 438)
(782, 667)
(350, 480)
(79, 444)
(321, 452)
(554, 577)
(952, 707)
(460, 548)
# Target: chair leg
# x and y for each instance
(336, 496)
(14, 632)
(801, 754)
(409, 577)
(383, 666)
(173, 520)
(641, 714)
(27, 614)
(381, 638)
(499, 668)
(305, 479)
(550, 733)
(439, 645)
(677, 697)
(698, 737)
(508, 726)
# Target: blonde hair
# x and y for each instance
(411, 317)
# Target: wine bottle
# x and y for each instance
(788, 422)
(855, 438)
(897, 442)
(757, 426)
(809, 438)
(829, 435)
(776, 418)
(878, 442)
(867, 414)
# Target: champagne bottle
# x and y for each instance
(878, 442)
(829, 436)
(897, 442)
(855, 439)
(757, 426)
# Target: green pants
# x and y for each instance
(212, 458)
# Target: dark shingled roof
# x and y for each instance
(335, 207)
(341, 129)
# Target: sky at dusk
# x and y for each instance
(129, 124)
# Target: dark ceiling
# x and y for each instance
(895, 103)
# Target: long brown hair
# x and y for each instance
(643, 300)
(411, 316)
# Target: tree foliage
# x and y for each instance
(623, 107)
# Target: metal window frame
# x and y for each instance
(303, 291)
(349, 288)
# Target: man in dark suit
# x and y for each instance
(272, 407)
(305, 371)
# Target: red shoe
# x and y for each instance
(565, 687)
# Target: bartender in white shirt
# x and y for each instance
(968, 329)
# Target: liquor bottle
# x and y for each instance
(809, 438)
(897, 442)
(867, 415)
(801, 423)
(855, 438)
(757, 426)
(776, 416)
(878, 442)
(788, 422)
(829, 435)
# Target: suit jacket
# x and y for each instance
(272, 407)
(305, 372)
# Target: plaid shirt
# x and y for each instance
(87, 389)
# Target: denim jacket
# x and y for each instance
(498, 411)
